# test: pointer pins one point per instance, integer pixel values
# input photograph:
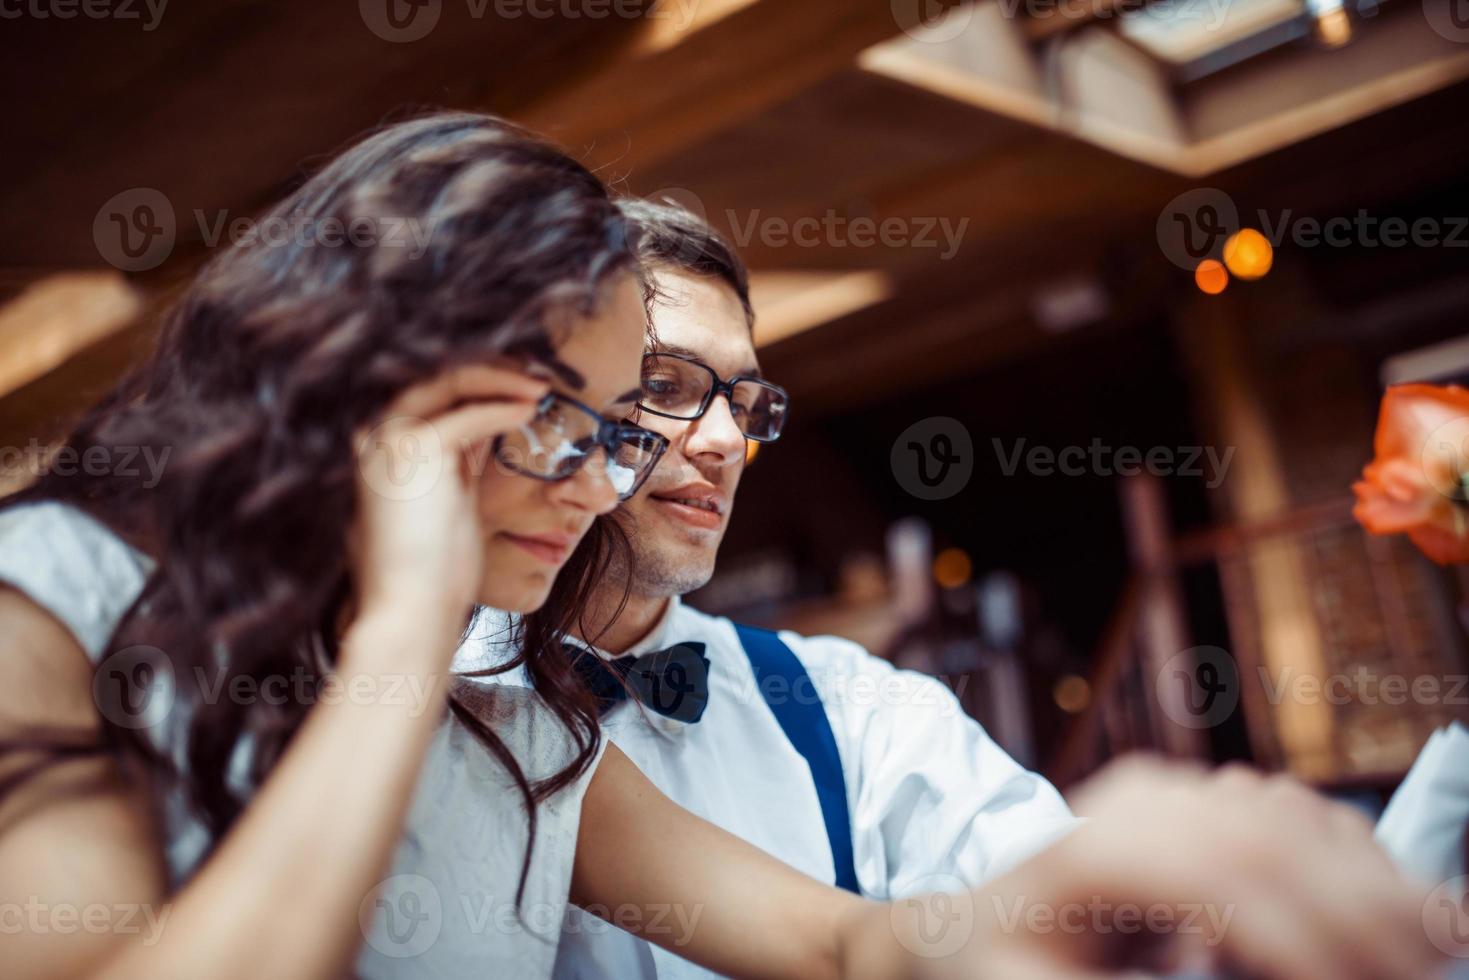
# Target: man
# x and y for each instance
(915, 796)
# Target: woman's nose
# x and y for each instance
(589, 488)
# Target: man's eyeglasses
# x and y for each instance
(564, 434)
(677, 387)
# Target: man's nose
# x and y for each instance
(716, 433)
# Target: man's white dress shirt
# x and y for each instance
(935, 803)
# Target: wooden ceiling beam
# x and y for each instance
(674, 87)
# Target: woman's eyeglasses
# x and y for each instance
(677, 387)
(564, 434)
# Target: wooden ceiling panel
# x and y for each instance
(222, 103)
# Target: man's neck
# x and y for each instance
(631, 626)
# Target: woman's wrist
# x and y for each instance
(400, 637)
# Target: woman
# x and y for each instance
(363, 445)
(328, 517)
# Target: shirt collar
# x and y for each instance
(653, 640)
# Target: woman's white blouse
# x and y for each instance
(447, 907)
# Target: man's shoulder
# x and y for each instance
(819, 652)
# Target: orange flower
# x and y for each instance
(1416, 483)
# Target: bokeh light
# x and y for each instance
(952, 568)
(1248, 254)
(1072, 693)
(1211, 277)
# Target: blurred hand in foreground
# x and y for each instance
(1182, 869)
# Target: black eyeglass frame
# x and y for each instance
(720, 387)
(607, 437)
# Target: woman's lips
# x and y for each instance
(552, 551)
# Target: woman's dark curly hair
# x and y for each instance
(271, 359)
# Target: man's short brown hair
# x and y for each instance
(674, 236)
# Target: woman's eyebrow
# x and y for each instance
(567, 374)
(537, 352)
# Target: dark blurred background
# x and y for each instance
(1010, 224)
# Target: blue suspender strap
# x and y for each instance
(798, 710)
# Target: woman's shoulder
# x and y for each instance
(71, 566)
(535, 735)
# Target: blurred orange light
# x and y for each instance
(1248, 254)
(1334, 28)
(952, 568)
(1072, 693)
(1211, 277)
(752, 449)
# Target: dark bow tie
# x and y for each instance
(673, 682)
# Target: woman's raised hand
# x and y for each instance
(417, 546)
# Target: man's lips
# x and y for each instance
(553, 549)
(698, 506)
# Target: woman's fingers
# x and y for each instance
(448, 414)
(467, 431)
(470, 382)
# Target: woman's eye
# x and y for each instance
(658, 386)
